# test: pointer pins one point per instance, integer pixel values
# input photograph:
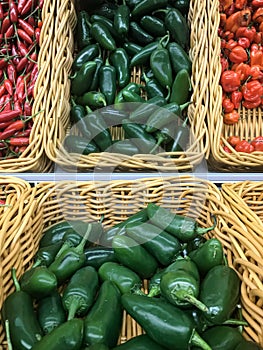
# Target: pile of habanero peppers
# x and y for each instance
(111, 41)
(84, 276)
(241, 33)
(20, 26)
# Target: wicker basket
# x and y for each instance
(116, 200)
(250, 124)
(58, 124)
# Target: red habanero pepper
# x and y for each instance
(233, 140)
(242, 69)
(27, 7)
(252, 90)
(231, 118)
(240, 4)
(246, 32)
(230, 81)
(19, 141)
(238, 54)
(244, 146)
(227, 35)
(26, 27)
(244, 42)
(256, 55)
(227, 149)
(230, 10)
(258, 38)
(256, 73)
(238, 19)
(257, 3)
(236, 98)
(37, 34)
(13, 12)
(257, 143)
(228, 105)
(230, 44)
(252, 104)
(225, 4)
(258, 15)
(24, 36)
(224, 64)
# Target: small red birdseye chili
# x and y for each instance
(19, 141)
(24, 36)
(244, 146)
(28, 28)
(257, 143)
(233, 140)
(13, 12)
(231, 118)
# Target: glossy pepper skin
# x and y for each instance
(50, 312)
(219, 291)
(178, 27)
(121, 61)
(247, 345)
(142, 112)
(38, 281)
(101, 34)
(148, 6)
(153, 25)
(46, 255)
(19, 311)
(88, 53)
(125, 279)
(181, 87)
(208, 255)
(92, 99)
(163, 246)
(103, 322)
(150, 313)
(77, 116)
(121, 19)
(143, 56)
(67, 336)
(96, 256)
(82, 32)
(81, 82)
(80, 145)
(107, 82)
(179, 58)
(124, 147)
(153, 88)
(95, 80)
(139, 35)
(180, 226)
(140, 342)
(80, 291)
(134, 256)
(223, 337)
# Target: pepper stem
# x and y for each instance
(74, 305)
(199, 342)
(16, 283)
(8, 338)
(183, 106)
(155, 290)
(66, 245)
(235, 322)
(79, 248)
(159, 141)
(202, 231)
(184, 296)
(164, 39)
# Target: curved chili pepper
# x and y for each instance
(22, 64)
(19, 141)
(10, 32)
(5, 24)
(37, 34)
(24, 36)
(9, 115)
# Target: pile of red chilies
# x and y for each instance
(20, 26)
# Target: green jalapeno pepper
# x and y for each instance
(139, 35)
(176, 23)
(132, 3)
(133, 87)
(130, 96)
(80, 145)
(143, 56)
(194, 244)
(163, 246)
(113, 116)
(106, 9)
(80, 292)
(125, 279)
(208, 255)
(153, 88)
(38, 281)
(134, 256)
(143, 111)
(102, 35)
(220, 292)
(145, 7)
(124, 147)
(139, 342)
(81, 82)
(121, 61)
(107, 81)
(131, 48)
(140, 216)
(70, 260)
(67, 336)
(122, 19)
(161, 65)
(181, 87)
(96, 256)
(222, 337)
(181, 289)
(182, 227)
(50, 312)
(153, 25)
(142, 139)
(18, 309)
(82, 31)
(95, 80)
(98, 346)
(247, 345)
(178, 330)
(181, 5)
(78, 115)
(181, 138)
(103, 322)
(89, 53)
(179, 58)
(165, 135)
(93, 99)
(46, 255)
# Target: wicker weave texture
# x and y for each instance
(250, 124)
(49, 203)
(58, 125)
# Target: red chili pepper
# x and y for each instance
(17, 105)
(25, 133)
(41, 3)
(24, 36)
(230, 81)
(13, 12)
(244, 146)
(26, 27)
(252, 104)
(19, 141)
(5, 24)
(244, 42)
(236, 98)
(246, 32)
(238, 54)
(18, 125)
(6, 134)
(7, 116)
(227, 105)
(238, 19)
(240, 4)
(7, 107)
(11, 73)
(257, 3)
(32, 62)
(31, 20)
(22, 48)
(10, 32)
(21, 4)
(3, 125)
(22, 64)
(231, 118)
(27, 7)
(2, 90)
(37, 34)
(1, 12)
(20, 90)
(27, 108)
(257, 143)
(3, 63)
(252, 90)
(8, 86)
(233, 140)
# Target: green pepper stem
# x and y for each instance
(8, 338)
(235, 322)
(184, 296)
(66, 245)
(16, 283)
(73, 307)
(159, 141)
(168, 93)
(38, 262)
(79, 248)
(183, 106)
(155, 290)
(164, 39)
(202, 231)
(199, 342)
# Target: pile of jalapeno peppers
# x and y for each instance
(20, 26)
(113, 39)
(84, 276)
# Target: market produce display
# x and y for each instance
(112, 40)
(20, 26)
(74, 295)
